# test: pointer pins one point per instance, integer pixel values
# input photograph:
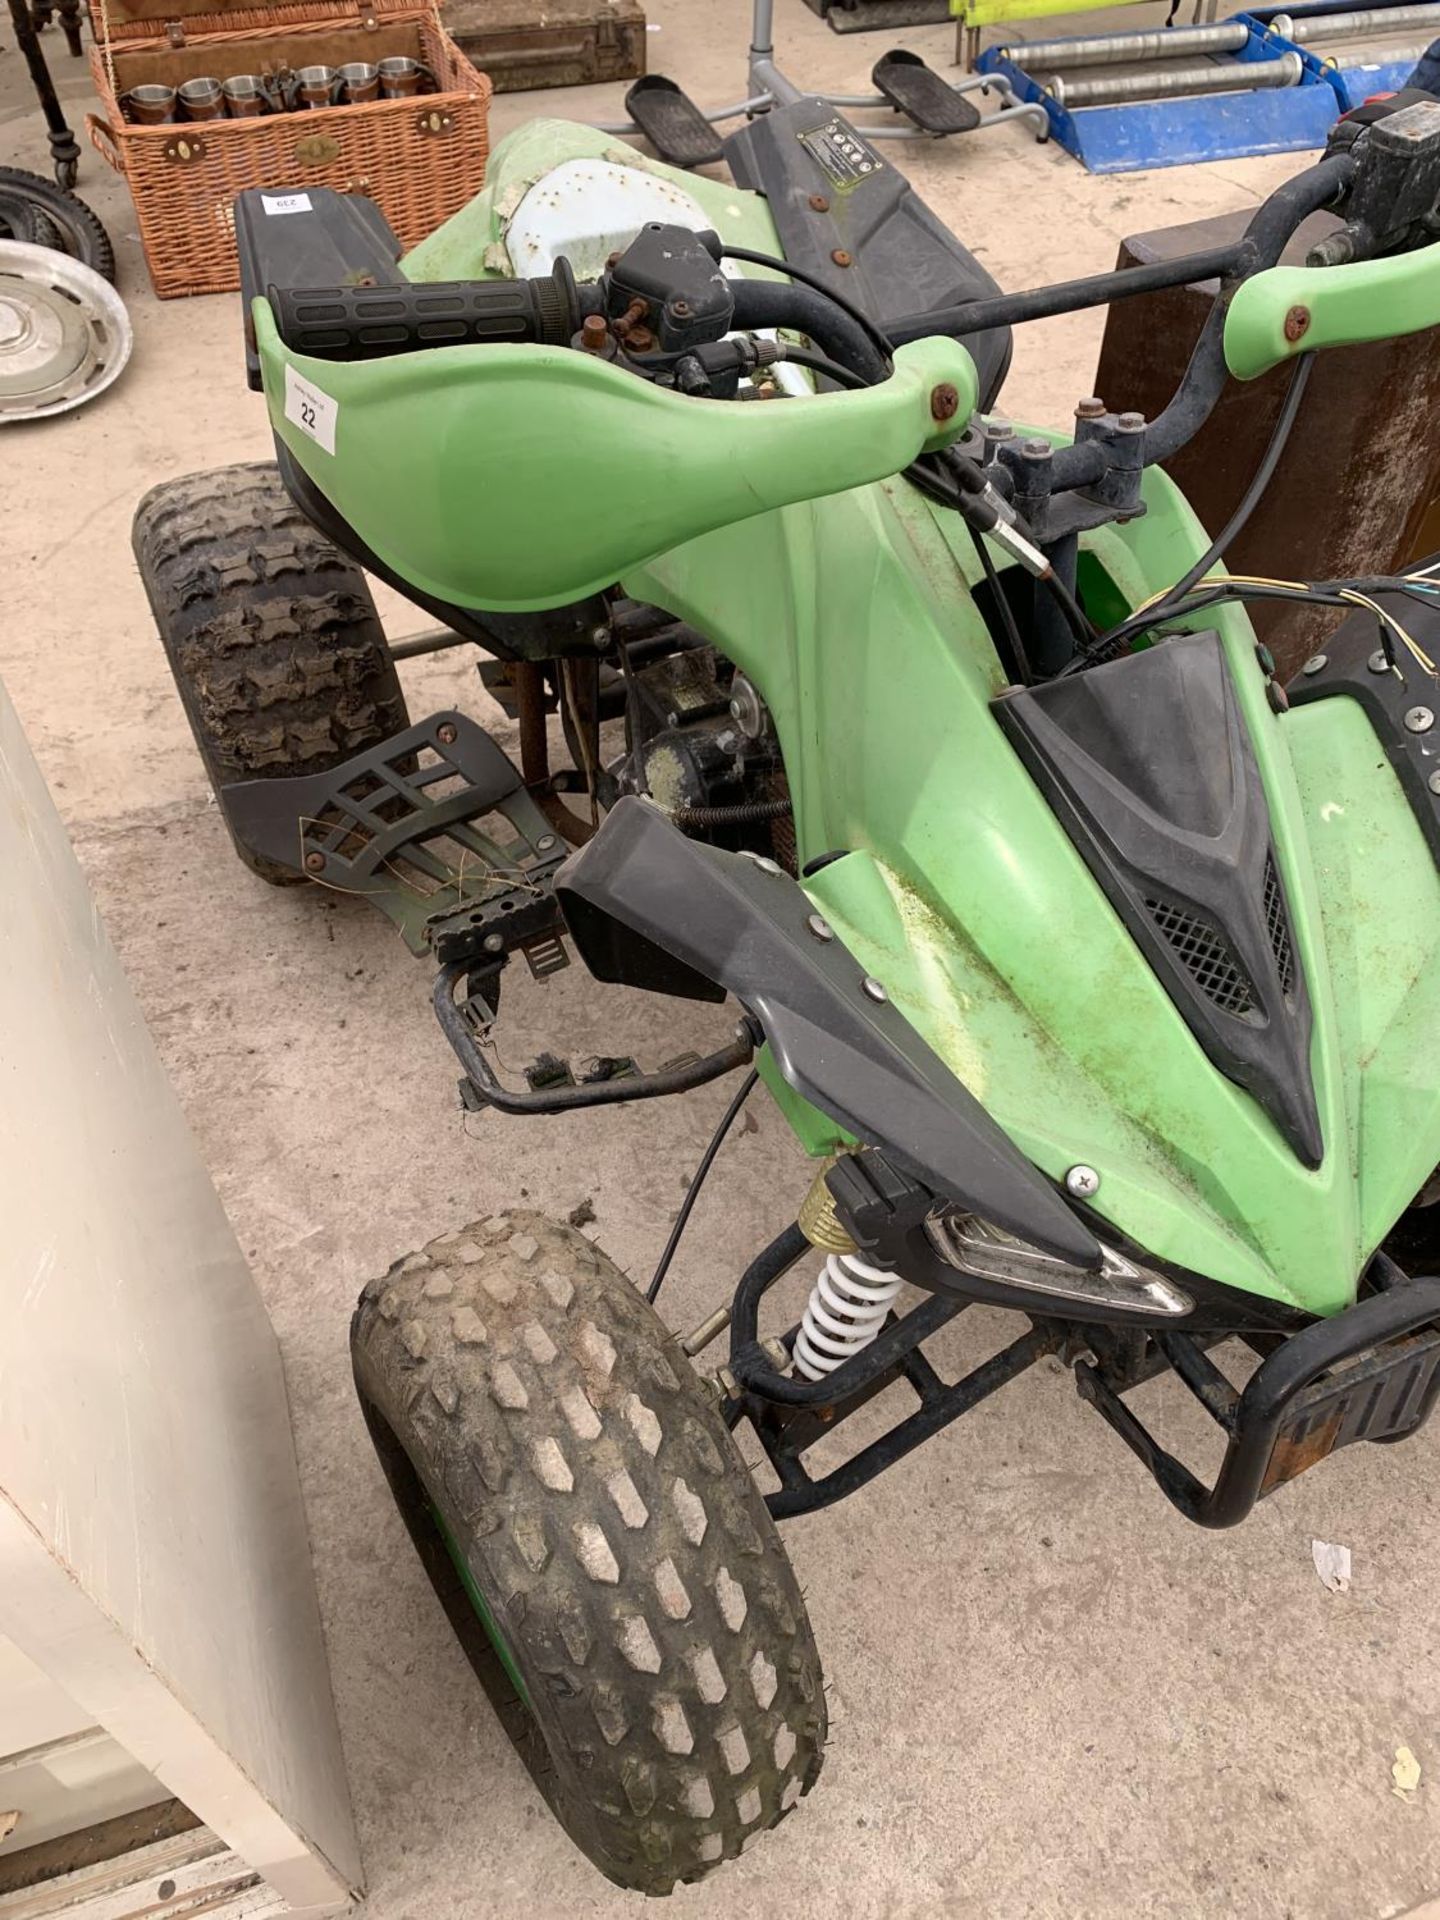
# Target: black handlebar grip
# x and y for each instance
(368, 323)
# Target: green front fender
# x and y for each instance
(515, 477)
(855, 616)
(964, 895)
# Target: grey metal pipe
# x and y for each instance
(1170, 83)
(766, 77)
(1106, 49)
(1340, 26)
(1158, 43)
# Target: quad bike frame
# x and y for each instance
(1101, 977)
(1370, 1371)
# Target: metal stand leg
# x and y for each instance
(70, 27)
(64, 148)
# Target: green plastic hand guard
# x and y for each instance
(519, 477)
(1291, 310)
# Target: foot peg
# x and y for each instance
(672, 123)
(433, 826)
(880, 16)
(927, 101)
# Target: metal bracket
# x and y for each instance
(1369, 1373)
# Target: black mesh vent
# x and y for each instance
(1205, 955)
(1277, 923)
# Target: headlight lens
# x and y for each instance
(973, 1246)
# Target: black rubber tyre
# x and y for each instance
(270, 631)
(523, 1397)
(25, 220)
(80, 233)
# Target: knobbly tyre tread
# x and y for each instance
(270, 631)
(23, 220)
(513, 1377)
(77, 230)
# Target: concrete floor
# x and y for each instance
(1050, 1696)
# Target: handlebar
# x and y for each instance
(664, 309)
(371, 323)
(1255, 254)
(1293, 310)
(368, 323)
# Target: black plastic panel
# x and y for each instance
(1148, 764)
(745, 924)
(902, 259)
(309, 237)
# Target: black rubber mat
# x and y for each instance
(672, 123)
(880, 16)
(922, 95)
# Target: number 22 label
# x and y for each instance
(316, 414)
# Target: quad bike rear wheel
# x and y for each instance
(270, 631)
(598, 1544)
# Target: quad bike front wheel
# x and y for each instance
(598, 1543)
(270, 631)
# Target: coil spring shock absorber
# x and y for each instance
(846, 1309)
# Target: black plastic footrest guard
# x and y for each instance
(672, 123)
(433, 826)
(880, 16)
(1369, 1373)
(922, 95)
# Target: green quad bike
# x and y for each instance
(1098, 973)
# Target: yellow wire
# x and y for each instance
(1352, 595)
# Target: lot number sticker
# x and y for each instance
(285, 202)
(312, 411)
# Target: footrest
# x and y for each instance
(672, 123)
(881, 16)
(920, 93)
(434, 827)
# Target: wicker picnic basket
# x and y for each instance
(421, 158)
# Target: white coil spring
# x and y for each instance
(846, 1309)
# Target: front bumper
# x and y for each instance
(1369, 1373)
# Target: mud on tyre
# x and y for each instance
(647, 1645)
(271, 633)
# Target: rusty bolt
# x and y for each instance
(633, 316)
(1091, 409)
(594, 334)
(680, 309)
(445, 733)
(1131, 423)
(841, 257)
(314, 862)
(819, 203)
(1297, 322)
(944, 402)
